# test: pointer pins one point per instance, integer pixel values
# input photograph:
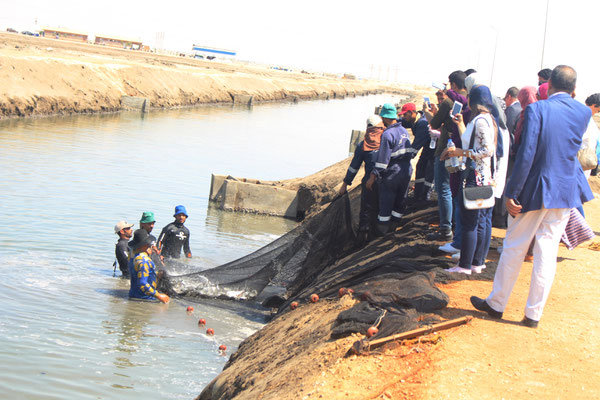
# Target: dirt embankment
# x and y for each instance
(41, 76)
(295, 357)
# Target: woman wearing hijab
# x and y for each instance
(542, 91)
(526, 96)
(476, 224)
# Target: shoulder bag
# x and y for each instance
(478, 197)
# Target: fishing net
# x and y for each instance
(393, 275)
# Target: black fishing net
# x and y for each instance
(393, 275)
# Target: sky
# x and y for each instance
(404, 41)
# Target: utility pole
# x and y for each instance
(545, 28)
(494, 59)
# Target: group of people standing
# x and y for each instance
(523, 151)
(138, 258)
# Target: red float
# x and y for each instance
(372, 331)
(222, 347)
(202, 322)
(314, 298)
(210, 332)
(294, 305)
(190, 309)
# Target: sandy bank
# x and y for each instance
(296, 357)
(41, 76)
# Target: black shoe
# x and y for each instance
(482, 305)
(441, 236)
(530, 323)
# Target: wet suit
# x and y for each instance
(393, 170)
(122, 254)
(172, 238)
(143, 277)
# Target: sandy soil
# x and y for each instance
(294, 358)
(40, 76)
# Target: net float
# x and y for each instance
(210, 332)
(372, 331)
(202, 322)
(190, 309)
(294, 305)
(314, 297)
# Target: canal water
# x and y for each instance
(67, 329)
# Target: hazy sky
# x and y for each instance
(416, 41)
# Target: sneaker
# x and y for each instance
(442, 236)
(456, 256)
(448, 248)
(460, 270)
(477, 268)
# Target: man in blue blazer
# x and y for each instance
(546, 183)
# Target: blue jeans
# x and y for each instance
(476, 235)
(442, 187)
(457, 224)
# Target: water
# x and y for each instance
(66, 326)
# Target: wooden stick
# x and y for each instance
(418, 332)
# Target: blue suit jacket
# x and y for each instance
(546, 171)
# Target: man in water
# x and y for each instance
(142, 269)
(175, 236)
(147, 223)
(123, 229)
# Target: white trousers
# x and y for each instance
(546, 226)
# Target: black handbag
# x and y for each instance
(478, 197)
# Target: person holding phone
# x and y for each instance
(476, 225)
(546, 183)
(442, 120)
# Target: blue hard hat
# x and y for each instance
(180, 210)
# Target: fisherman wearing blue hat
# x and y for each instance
(175, 236)
(392, 168)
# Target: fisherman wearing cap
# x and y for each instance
(175, 236)
(123, 229)
(142, 269)
(147, 223)
(392, 169)
(366, 151)
(420, 129)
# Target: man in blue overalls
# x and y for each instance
(392, 169)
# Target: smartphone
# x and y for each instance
(426, 99)
(456, 109)
(439, 86)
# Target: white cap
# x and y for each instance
(122, 225)
(374, 120)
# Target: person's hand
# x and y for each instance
(458, 119)
(444, 155)
(163, 297)
(434, 109)
(343, 189)
(370, 182)
(434, 134)
(513, 207)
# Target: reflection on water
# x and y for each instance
(66, 325)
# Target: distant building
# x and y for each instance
(120, 42)
(211, 52)
(64, 34)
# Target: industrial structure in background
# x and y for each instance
(119, 42)
(64, 34)
(210, 53)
